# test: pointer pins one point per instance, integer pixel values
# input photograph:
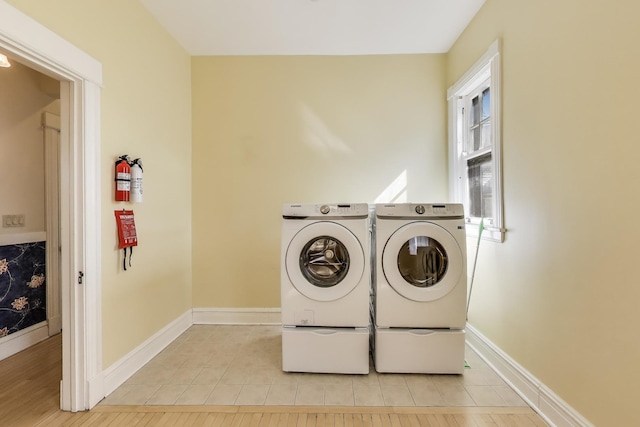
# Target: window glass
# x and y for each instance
(422, 261)
(475, 139)
(324, 261)
(479, 133)
(486, 135)
(475, 110)
(480, 174)
(486, 103)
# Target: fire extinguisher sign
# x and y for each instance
(127, 236)
(126, 229)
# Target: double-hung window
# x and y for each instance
(474, 145)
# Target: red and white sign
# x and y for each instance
(126, 229)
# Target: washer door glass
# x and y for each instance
(422, 261)
(324, 261)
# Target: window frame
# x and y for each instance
(487, 68)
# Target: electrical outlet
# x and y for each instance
(10, 221)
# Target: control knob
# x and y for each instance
(420, 209)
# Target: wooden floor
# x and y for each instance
(29, 396)
(295, 416)
(30, 384)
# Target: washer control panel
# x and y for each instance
(345, 209)
(429, 210)
(325, 210)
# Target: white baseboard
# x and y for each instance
(237, 316)
(124, 368)
(21, 340)
(95, 389)
(55, 325)
(551, 407)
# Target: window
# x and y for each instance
(474, 145)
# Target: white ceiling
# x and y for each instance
(314, 27)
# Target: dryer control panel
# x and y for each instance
(356, 210)
(420, 210)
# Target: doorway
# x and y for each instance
(80, 76)
(29, 279)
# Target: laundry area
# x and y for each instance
(373, 309)
(390, 280)
(299, 239)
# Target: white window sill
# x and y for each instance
(493, 234)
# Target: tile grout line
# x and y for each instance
(236, 353)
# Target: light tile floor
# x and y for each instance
(241, 365)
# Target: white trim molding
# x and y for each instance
(115, 375)
(237, 316)
(91, 263)
(23, 36)
(18, 238)
(547, 404)
(23, 339)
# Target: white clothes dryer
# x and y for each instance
(420, 288)
(325, 288)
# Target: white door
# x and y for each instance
(51, 127)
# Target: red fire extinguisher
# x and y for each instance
(123, 179)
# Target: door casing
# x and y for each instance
(32, 44)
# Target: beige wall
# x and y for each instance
(24, 97)
(275, 130)
(146, 112)
(560, 295)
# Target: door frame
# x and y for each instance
(80, 76)
(51, 129)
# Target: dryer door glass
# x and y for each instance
(324, 261)
(422, 261)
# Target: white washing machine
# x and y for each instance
(325, 288)
(420, 288)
